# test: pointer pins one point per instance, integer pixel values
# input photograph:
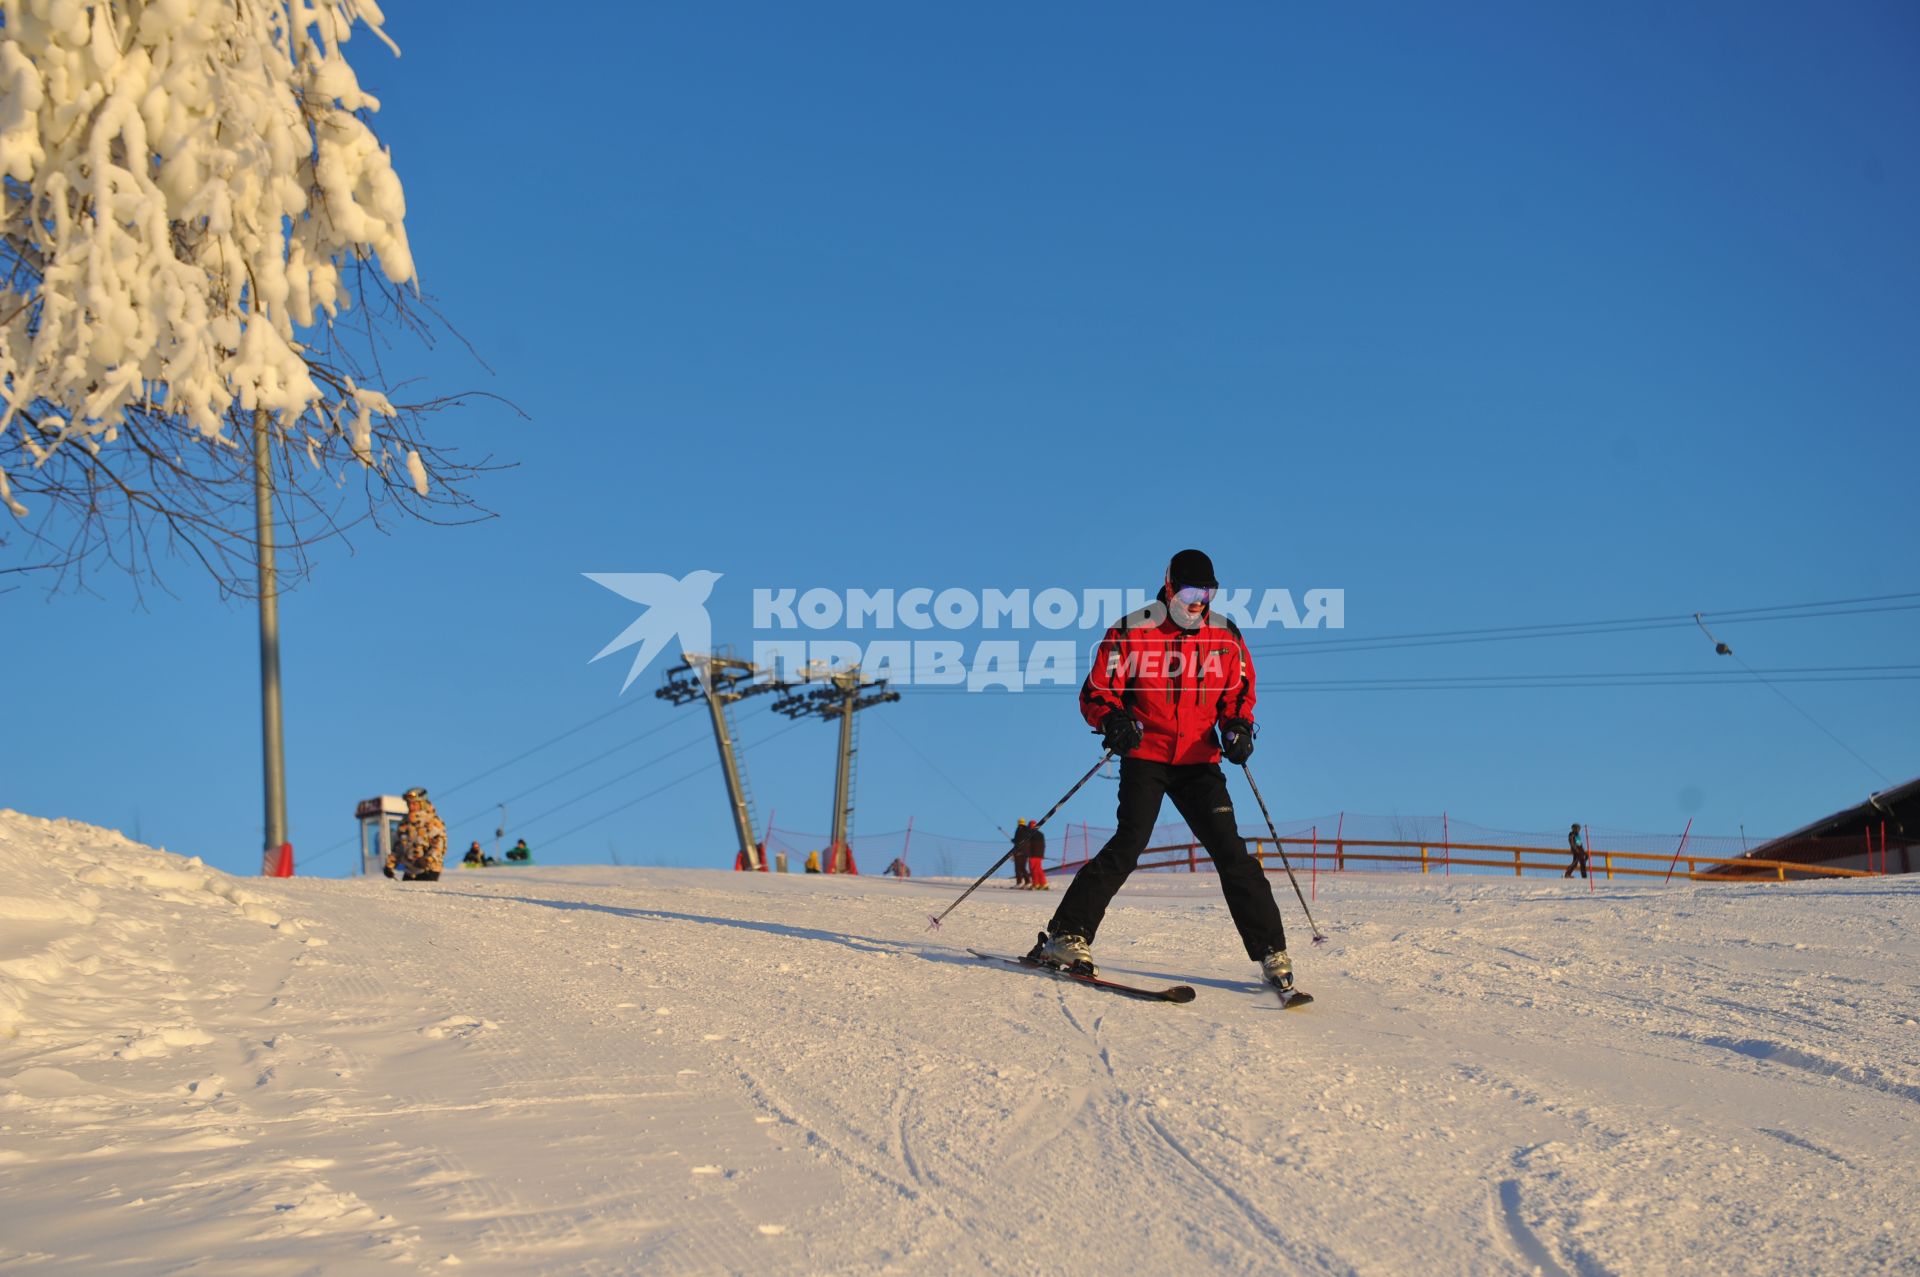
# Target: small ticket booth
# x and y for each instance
(379, 827)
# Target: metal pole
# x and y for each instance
(1280, 847)
(736, 794)
(935, 919)
(1677, 850)
(273, 758)
(849, 690)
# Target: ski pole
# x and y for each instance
(935, 918)
(1278, 846)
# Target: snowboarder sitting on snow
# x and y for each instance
(1579, 850)
(1171, 691)
(421, 847)
(813, 862)
(519, 852)
(476, 858)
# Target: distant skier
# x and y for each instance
(421, 847)
(1578, 847)
(519, 854)
(899, 868)
(1171, 691)
(1021, 836)
(1035, 855)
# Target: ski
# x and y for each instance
(1177, 993)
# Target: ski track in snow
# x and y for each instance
(600, 1071)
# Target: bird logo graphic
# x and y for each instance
(674, 609)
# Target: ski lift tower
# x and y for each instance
(721, 679)
(836, 693)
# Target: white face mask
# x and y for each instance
(1182, 617)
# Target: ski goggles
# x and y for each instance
(1194, 595)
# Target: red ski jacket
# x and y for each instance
(1176, 683)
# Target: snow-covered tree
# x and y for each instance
(195, 202)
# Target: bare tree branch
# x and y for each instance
(188, 299)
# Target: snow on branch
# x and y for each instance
(185, 180)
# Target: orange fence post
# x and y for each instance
(1339, 847)
(1423, 860)
(1314, 875)
(1446, 839)
(1516, 862)
(1193, 864)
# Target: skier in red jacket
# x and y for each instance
(1172, 691)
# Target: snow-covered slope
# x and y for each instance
(667, 1071)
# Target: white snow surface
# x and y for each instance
(604, 1070)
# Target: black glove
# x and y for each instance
(1120, 732)
(387, 870)
(1236, 740)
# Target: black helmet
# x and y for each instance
(1191, 567)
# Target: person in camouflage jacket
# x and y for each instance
(420, 850)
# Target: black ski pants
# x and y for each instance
(1199, 793)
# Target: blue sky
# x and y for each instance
(1490, 318)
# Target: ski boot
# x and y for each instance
(1277, 970)
(1067, 953)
